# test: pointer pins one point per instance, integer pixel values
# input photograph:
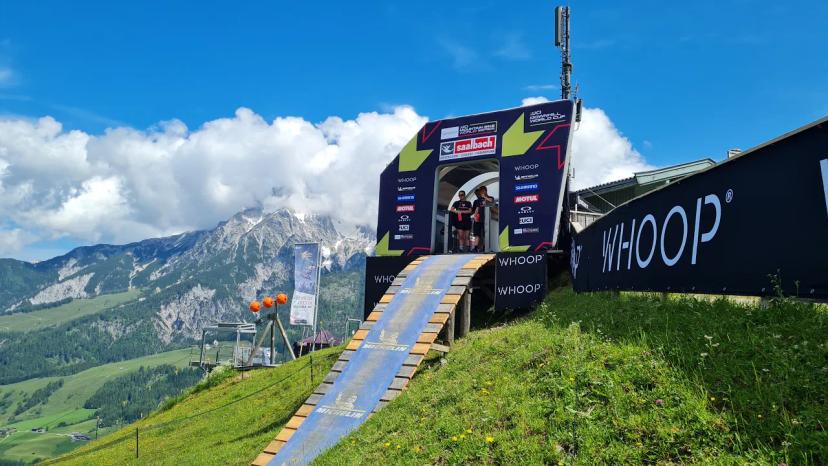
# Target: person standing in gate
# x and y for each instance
(461, 210)
(478, 217)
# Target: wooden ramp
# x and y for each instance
(381, 359)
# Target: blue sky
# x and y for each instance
(681, 81)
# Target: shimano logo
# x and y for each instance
(526, 187)
(405, 198)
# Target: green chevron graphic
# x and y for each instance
(504, 243)
(515, 141)
(382, 248)
(411, 158)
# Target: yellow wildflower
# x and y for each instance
(489, 439)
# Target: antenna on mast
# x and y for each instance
(562, 15)
(562, 41)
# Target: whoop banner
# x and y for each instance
(306, 284)
(732, 229)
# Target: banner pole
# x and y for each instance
(316, 295)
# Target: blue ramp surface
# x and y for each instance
(371, 369)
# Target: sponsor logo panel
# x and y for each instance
(472, 129)
(527, 198)
(452, 132)
(540, 117)
(405, 198)
(472, 147)
(526, 187)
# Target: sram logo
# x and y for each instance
(527, 198)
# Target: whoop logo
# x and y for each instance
(529, 288)
(575, 258)
(613, 243)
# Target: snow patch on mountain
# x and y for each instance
(71, 288)
(253, 286)
(69, 268)
(187, 314)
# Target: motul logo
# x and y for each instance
(527, 198)
(405, 208)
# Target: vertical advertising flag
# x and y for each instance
(306, 280)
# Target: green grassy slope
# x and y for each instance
(597, 379)
(75, 309)
(585, 379)
(229, 423)
(65, 406)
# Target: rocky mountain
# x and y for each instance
(186, 281)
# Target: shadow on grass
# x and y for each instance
(763, 368)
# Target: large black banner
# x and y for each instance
(531, 145)
(727, 230)
(520, 280)
(380, 272)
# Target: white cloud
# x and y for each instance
(533, 100)
(541, 87)
(6, 76)
(13, 240)
(127, 184)
(513, 48)
(600, 153)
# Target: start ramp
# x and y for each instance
(380, 359)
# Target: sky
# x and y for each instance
(125, 120)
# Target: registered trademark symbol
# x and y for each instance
(729, 196)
